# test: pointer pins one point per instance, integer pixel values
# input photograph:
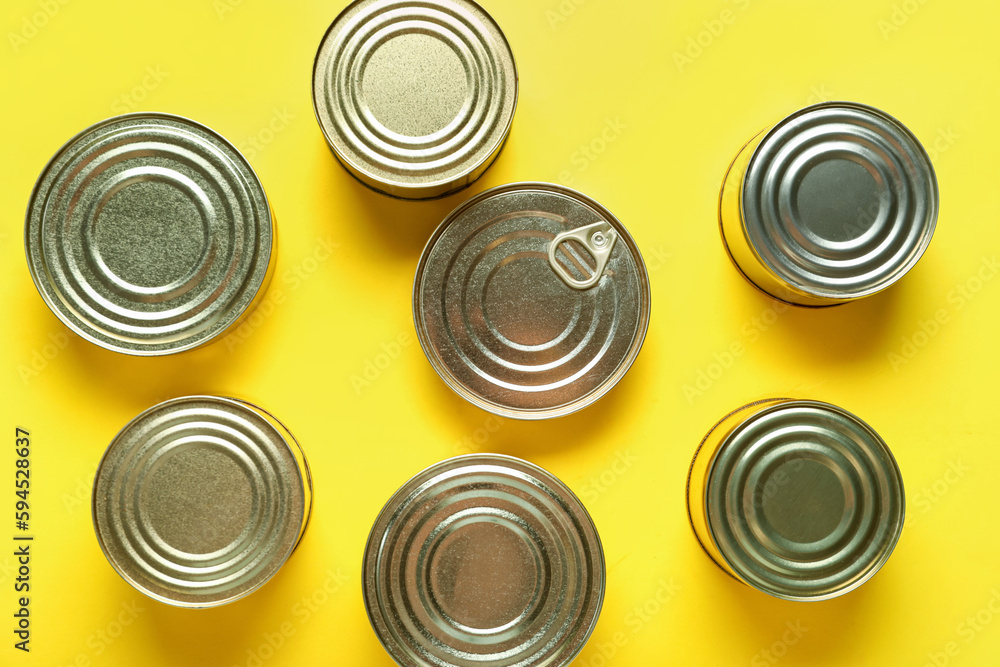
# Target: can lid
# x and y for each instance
(148, 234)
(839, 200)
(531, 300)
(415, 97)
(485, 561)
(804, 501)
(200, 500)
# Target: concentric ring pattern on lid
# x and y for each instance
(840, 200)
(200, 500)
(415, 98)
(804, 501)
(484, 561)
(149, 234)
(520, 332)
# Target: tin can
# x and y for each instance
(149, 234)
(483, 561)
(531, 300)
(799, 499)
(415, 99)
(200, 500)
(834, 203)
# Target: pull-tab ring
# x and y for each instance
(598, 238)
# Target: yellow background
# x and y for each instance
(585, 66)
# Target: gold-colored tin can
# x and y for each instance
(199, 501)
(834, 203)
(799, 499)
(415, 99)
(149, 234)
(484, 561)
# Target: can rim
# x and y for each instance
(610, 382)
(28, 246)
(488, 161)
(932, 216)
(501, 459)
(307, 491)
(892, 468)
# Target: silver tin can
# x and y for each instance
(798, 499)
(483, 561)
(834, 203)
(415, 99)
(531, 300)
(149, 234)
(200, 500)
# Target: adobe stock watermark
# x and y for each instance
(279, 121)
(224, 7)
(8, 568)
(152, 77)
(776, 652)
(589, 153)
(944, 139)
(100, 641)
(375, 366)
(899, 16)
(301, 613)
(722, 361)
(476, 441)
(292, 280)
(711, 30)
(561, 13)
(656, 258)
(42, 356)
(966, 632)
(636, 620)
(928, 496)
(818, 95)
(79, 497)
(35, 22)
(599, 484)
(957, 300)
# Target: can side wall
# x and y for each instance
(733, 228)
(419, 192)
(701, 469)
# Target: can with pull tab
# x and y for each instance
(531, 300)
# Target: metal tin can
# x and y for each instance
(483, 561)
(200, 500)
(416, 99)
(531, 300)
(834, 203)
(798, 499)
(149, 234)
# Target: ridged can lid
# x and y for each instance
(531, 300)
(416, 99)
(483, 561)
(839, 200)
(804, 500)
(149, 234)
(200, 500)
